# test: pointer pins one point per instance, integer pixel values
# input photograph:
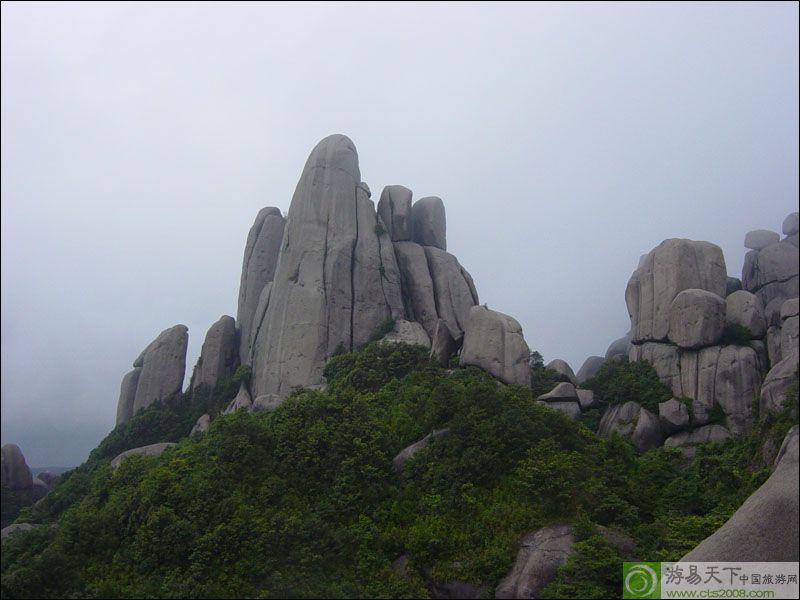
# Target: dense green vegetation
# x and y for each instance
(302, 501)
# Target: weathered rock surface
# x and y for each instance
(774, 350)
(417, 284)
(563, 369)
(790, 308)
(394, 209)
(760, 239)
(336, 280)
(788, 443)
(673, 266)
(219, 355)
(585, 398)
(163, 365)
(127, 395)
(151, 450)
(790, 224)
(266, 403)
(14, 471)
(563, 391)
(632, 421)
(408, 452)
(454, 291)
(494, 342)
(590, 367)
(540, 555)
(736, 386)
(765, 528)
(407, 332)
(258, 268)
(442, 344)
(746, 309)
(570, 408)
(696, 319)
(673, 416)
(429, 226)
(780, 377)
(790, 326)
(241, 401)
(201, 425)
(620, 347)
(686, 440)
(772, 272)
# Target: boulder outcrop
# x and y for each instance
(540, 555)
(563, 369)
(772, 272)
(696, 319)
(494, 342)
(590, 367)
(673, 266)
(219, 355)
(201, 425)
(407, 332)
(746, 309)
(150, 450)
(632, 421)
(673, 416)
(14, 471)
(760, 239)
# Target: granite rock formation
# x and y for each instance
(157, 373)
(494, 342)
(219, 355)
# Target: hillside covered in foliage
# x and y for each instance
(303, 501)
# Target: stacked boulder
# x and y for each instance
(566, 396)
(676, 301)
(157, 373)
(771, 266)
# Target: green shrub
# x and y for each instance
(243, 374)
(735, 334)
(620, 381)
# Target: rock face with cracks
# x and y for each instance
(258, 269)
(336, 280)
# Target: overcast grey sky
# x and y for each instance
(140, 141)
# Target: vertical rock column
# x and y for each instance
(336, 278)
